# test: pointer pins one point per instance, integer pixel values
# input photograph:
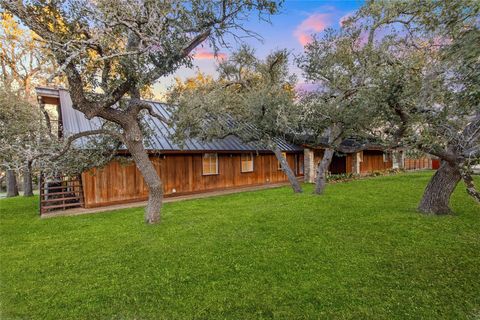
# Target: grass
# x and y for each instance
(361, 251)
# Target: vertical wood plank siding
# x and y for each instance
(345, 160)
(418, 164)
(180, 174)
(373, 161)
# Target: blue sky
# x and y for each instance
(290, 29)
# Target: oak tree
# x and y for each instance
(110, 50)
(251, 98)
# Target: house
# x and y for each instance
(361, 159)
(195, 167)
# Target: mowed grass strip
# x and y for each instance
(361, 251)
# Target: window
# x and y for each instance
(210, 163)
(284, 155)
(247, 162)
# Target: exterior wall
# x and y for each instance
(340, 164)
(418, 164)
(373, 161)
(181, 174)
(349, 163)
(347, 159)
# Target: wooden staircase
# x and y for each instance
(60, 193)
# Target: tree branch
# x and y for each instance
(79, 135)
(471, 190)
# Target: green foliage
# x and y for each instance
(252, 99)
(340, 66)
(114, 41)
(425, 79)
(342, 177)
(361, 251)
(22, 132)
(26, 142)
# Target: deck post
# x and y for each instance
(309, 165)
(356, 159)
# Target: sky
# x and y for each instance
(290, 29)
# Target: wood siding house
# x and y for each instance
(194, 167)
(360, 159)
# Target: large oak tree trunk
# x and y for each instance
(134, 143)
(12, 187)
(322, 169)
(288, 171)
(27, 181)
(438, 191)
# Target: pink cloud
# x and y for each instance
(204, 54)
(315, 23)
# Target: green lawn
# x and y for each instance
(359, 252)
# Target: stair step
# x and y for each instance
(60, 199)
(59, 193)
(62, 187)
(61, 180)
(74, 204)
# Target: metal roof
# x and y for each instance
(74, 122)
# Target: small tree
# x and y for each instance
(251, 99)
(18, 128)
(23, 61)
(24, 64)
(27, 145)
(338, 65)
(110, 50)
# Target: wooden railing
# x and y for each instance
(60, 193)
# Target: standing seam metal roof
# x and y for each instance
(74, 122)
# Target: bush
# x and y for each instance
(343, 177)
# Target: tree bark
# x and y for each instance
(322, 168)
(438, 191)
(134, 143)
(471, 190)
(12, 187)
(288, 171)
(27, 181)
(399, 159)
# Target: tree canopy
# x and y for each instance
(252, 99)
(110, 50)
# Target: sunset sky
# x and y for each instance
(290, 29)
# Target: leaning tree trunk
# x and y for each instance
(12, 187)
(322, 168)
(437, 194)
(134, 143)
(288, 171)
(27, 180)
